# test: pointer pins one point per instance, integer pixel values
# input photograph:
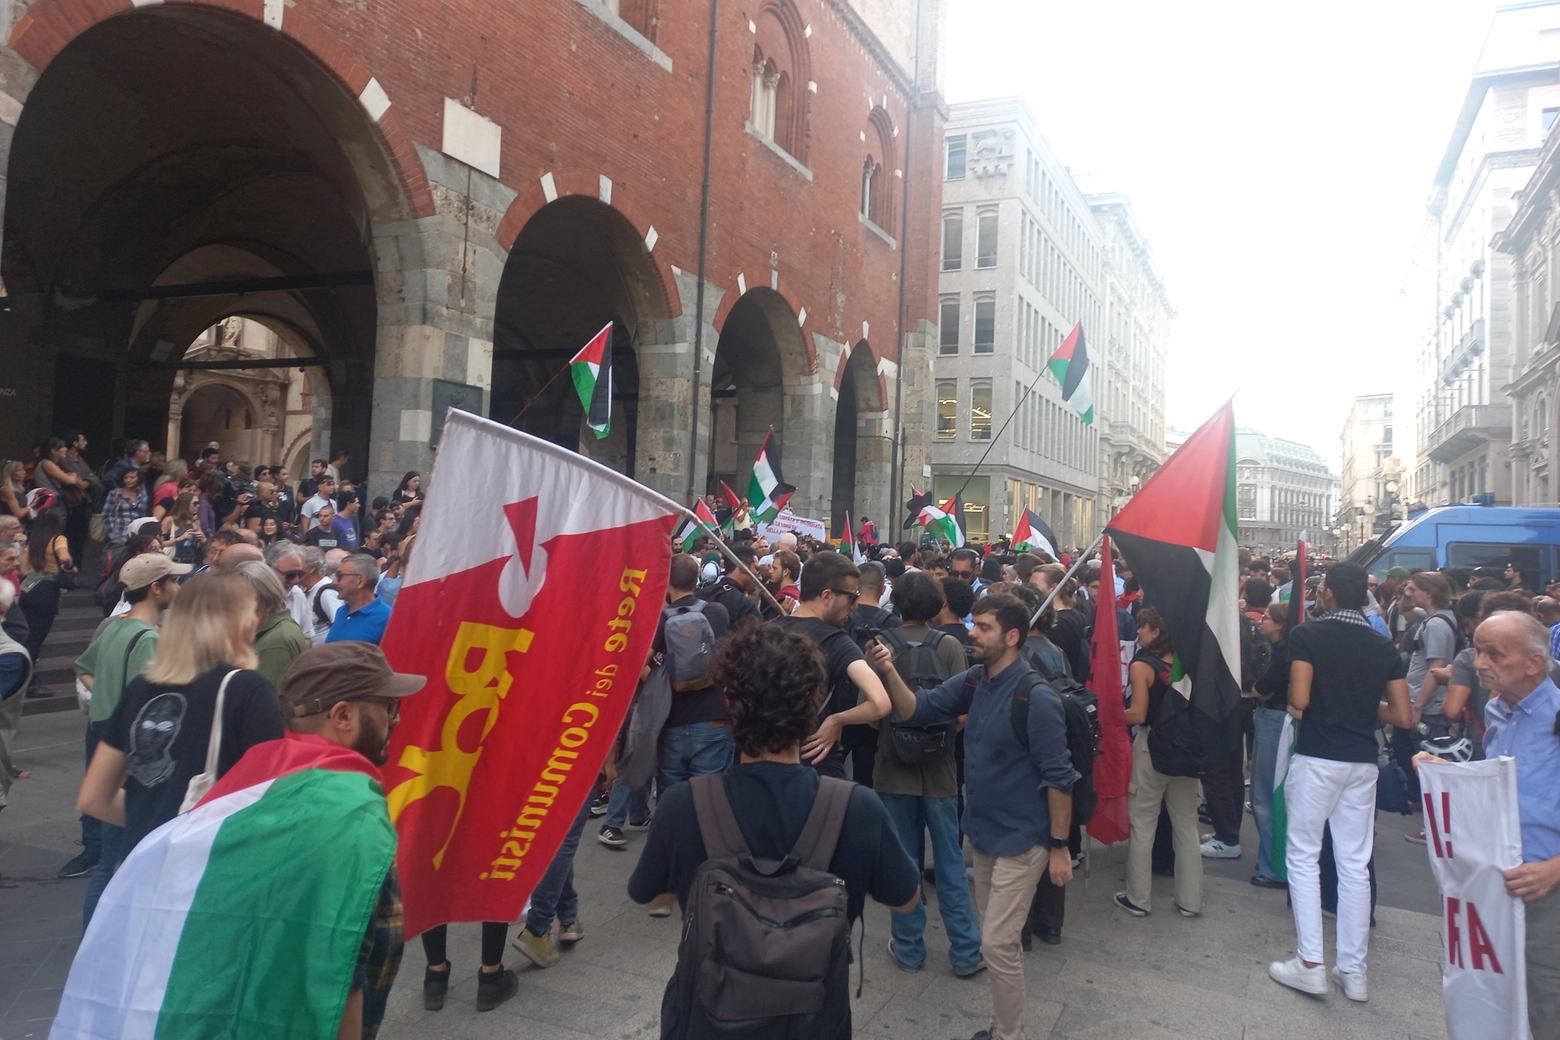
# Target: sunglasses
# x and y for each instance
(854, 596)
(294, 575)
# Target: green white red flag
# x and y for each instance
(591, 370)
(768, 492)
(530, 607)
(1070, 366)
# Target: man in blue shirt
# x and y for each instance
(362, 616)
(1018, 804)
(1524, 722)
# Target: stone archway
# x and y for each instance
(576, 265)
(862, 446)
(174, 164)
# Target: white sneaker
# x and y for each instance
(1352, 983)
(1294, 974)
(1213, 848)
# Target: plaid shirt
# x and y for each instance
(1554, 640)
(379, 958)
(119, 512)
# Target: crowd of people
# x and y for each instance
(937, 680)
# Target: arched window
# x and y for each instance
(781, 77)
(871, 182)
(877, 194)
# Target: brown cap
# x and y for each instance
(141, 571)
(345, 671)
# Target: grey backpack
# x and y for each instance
(765, 949)
(690, 647)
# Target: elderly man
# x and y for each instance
(362, 615)
(1522, 719)
(290, 563)
(319, 593)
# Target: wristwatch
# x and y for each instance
(1058, 843)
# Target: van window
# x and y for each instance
(1420, 557)
(1532, 560)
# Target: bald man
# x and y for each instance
(234, 555)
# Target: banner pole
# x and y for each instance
(1071, 571)
(538, 395)
(726, 550)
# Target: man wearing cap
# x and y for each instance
(346, 693)
(123, 648)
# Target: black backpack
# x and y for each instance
(765, 950)
(1081, 711)
(919, 665)
(1174, 745)
(106, 592)
(1256, 653)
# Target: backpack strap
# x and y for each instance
(821, 833)
(717, 823)
(1019, 711)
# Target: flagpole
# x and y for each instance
(538, 395)
(726, 549)
(1070, 572)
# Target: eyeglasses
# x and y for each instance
(854, 596)
(294, 575)
(392, 706)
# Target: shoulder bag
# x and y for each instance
(201, 783)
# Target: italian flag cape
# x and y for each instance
(1070, 366)
(591, 370)
(767, 490)
(244, 916)
(1178, 533)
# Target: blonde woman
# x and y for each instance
(155, 741)
(13, 489)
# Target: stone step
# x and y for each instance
(61, 698)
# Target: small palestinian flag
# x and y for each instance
(1179, 534)
(244, 916)
(730, 496)
(1070, 366)
(591, 370)
(919, 500)
(849, 545)
(945, 523)
(767, 490)
(704, 525)
(1032, 533)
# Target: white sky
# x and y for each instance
(1278, 158)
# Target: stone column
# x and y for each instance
(437, 284)
(667, 405)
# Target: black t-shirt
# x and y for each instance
(262, 512)
(1274, 683)
(704, 705)
(163, 731)
(1071, 634)
(326, 540)
(1351, 665)
(839, 652)
(771, 801)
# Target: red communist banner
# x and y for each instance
(530, 605)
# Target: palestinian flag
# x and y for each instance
(1070, 366)
(1179, 534)
(946, 522)
(730, 496)
(767, 490)
(695, 528)
(849, 545)
(1032, 533)
(591, 369)
(919, 500)
(1279, 842)
(244, 916)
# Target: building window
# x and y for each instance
(781, 71)
(765, 98)
(986, 239)
(953, 241)
(870, 181)
(980, 410)
(956, 151)
(948, 330)
(877, 203)
(947, 410)
(985, 326)
(1386, 435)
(1549, 118)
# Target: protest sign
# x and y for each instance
(800, 525)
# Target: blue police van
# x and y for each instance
(1527, 537)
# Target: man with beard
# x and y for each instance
(346, 693)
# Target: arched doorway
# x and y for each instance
(861, 450)
(759, 357)
(576, 265)
(175, 164)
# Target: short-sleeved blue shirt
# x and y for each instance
(1526, 732)
(366, 625)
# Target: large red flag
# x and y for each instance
(1113, 763)
(529, 605)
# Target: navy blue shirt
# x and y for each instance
(1005, 811)
(366, 625)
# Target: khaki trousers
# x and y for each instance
(1543, 966)
(1179, 793)
(1004, 888)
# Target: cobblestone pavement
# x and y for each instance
(1113, 976)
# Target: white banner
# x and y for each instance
(1473, 835)
(789, 521)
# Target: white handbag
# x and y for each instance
(200, 783)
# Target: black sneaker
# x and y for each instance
(38, 691)
(612, 838)
(599, 806)
(83, 864)
(435, 985)
(495, 987)
(1129, 906)
(639, 825)
(1049, 936)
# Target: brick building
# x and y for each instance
(442, 201)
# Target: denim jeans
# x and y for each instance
(111, 851)
(910, 814)
(1269, 723)
(91, 826)
(554, 897)
(627, 803)
(697, 749)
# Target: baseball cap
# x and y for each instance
(141, 571)
(324, 675)
(1400, 573)
(137, 526)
